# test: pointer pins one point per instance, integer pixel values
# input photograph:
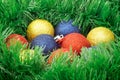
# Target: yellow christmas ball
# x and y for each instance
(100, 35)
(39, 26)
(27, 54)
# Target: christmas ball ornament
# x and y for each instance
(14, 38)
(66, 28)
(100, 35)
(75, 41)
(56, 54)
(44, 41)
(27, 54)
(39, 26)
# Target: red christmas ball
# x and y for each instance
(57, 53)
(14, 38)
(75, 41)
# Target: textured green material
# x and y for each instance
(100, 63)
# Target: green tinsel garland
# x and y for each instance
(101, 63)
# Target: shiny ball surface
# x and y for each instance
(65, 28)
(75, 41)
(44, 41)
(39, 26)
(27, 54)
(56, 54)
(100, 35)
(12, 39)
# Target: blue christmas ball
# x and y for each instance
(44, 41)
(66, 28)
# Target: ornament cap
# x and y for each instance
(59, 38)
